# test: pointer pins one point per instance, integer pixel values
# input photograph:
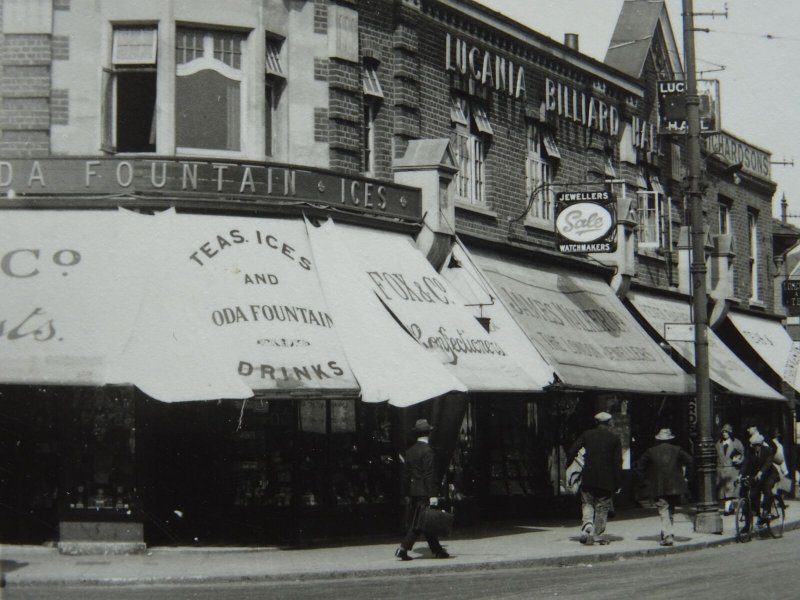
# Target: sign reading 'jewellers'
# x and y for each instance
(586, 222)
(258, 183)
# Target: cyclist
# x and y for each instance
(759, 466)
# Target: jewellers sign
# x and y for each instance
(586, 222)
(258, 183)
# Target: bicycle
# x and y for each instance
(772, 519)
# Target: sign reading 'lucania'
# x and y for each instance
(485, 68)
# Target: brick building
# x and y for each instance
(410, 155)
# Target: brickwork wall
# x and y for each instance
(25, 94)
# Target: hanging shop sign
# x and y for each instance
(573, 104)
(672, 106)
(586, 222)
(258, 182)
(791, 292)
(481, 66)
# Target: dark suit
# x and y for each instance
(600, 478)
(759, 465)
(662, 467)
(422, 485)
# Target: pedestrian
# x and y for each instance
(663, 466)
(730, 454)
(423, 491)
(600, 477)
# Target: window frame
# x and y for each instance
(539, 171)
(119, 67)
(208, 61)
(468, 140)
(752, 254)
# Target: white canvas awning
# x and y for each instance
(430, 309)
(578, 324)
(726, 370)
(772, 343)
(196, 307)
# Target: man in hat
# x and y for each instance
(759, 466)
(662, 466)
(600, 477)
(423, 490)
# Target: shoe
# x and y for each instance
(667, 541)
(441, 554)
(402, 554)
(587, 535)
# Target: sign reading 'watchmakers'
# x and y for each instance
(586, 222)
(257, 182)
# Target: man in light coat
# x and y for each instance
(600, 478)
(662, 467)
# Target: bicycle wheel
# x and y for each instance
(777, 517)
(744, 521)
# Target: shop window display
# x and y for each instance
(99, 446)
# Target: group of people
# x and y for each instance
(663, 468)
(761, 461)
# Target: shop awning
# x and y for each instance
(769, 339)
(726, 370)
(190, 307)
(425, 303)
(582, 329)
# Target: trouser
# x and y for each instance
(418, 504)
(594, 509)
(666, 511)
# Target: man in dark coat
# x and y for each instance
(600, 478)
(423, 489)
(759, 466)
(662, 467)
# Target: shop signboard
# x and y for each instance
(586, 222)
(672, 106)
(791, 292)
(120, 182)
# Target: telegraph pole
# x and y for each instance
(708, 519)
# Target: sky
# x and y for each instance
(757, 45)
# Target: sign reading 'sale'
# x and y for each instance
(586, 222)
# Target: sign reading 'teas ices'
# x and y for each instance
(586, 222)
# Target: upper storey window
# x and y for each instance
(469, 139)
(539, 167)
(130, 91)
(208, 89)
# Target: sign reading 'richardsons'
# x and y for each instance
(586, 222)
(259, 182)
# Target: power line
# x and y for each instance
(766, 36)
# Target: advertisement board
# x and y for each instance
(586, 222)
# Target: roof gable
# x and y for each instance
(641, 23)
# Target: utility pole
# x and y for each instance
(708, 519)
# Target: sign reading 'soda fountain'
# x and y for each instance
(192, 178)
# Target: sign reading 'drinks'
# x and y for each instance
(257, 182)
(586, 222)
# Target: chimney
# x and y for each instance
(571, 41)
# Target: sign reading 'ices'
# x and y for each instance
(257, 182)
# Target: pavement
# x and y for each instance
(504, 544)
